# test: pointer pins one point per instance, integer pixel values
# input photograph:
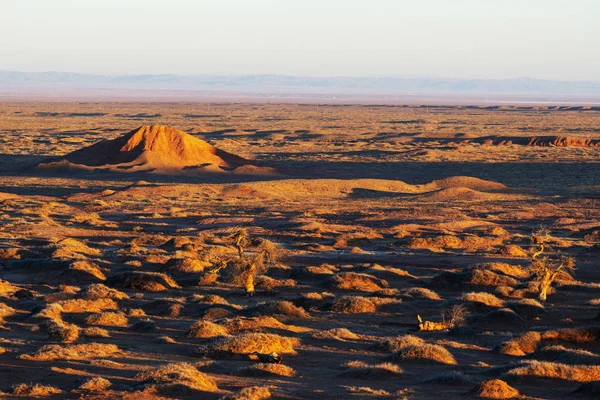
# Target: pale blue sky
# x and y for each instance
(552, 39)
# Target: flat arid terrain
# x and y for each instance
(292, 251)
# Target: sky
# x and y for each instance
(484, 39)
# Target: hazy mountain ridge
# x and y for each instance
(264, 82)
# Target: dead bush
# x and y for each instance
(95, 332)
(283, 308)
(186, 264)
(565, 355)
(83, 305)
(393, 345)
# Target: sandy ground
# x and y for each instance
(379, 214)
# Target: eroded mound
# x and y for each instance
(153, 147)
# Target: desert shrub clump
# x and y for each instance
(425, 352)
(247, 343)
(361, 370)
(353, 305)
(206, 329)
(495, 389)
(264, 369)
(178, 378)
(545, 369)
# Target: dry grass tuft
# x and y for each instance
(522, 345)
(263, 369)
(247, 343)
(421, 293)
(393, 345)
(285, 308)
(143, 281)
(353, 305)
(86, 267)
(83, 305)
(72, 352)
(484, 298)
(494, 389)
(95, 332)
(206, 329)
(544, 369)
(96, 384)
(178, 378)
(186, 265)
(565, 355)
(425, 352)
(361, 370)
(250, 393)
(107, 319)
(336, 333)
(98, 291)
(34, 390)
(357, 282)
(61, 331)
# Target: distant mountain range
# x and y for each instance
(296, 85)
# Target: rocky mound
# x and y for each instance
(148, 148)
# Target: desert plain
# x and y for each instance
(128, 232)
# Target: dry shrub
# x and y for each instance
(565, 355)
(515, 271)
(247, 343)
(206, 329)
(143, 281)
(51, 311)
(258, 323)
(367, 390)
(72, 352)
(186, 265)
(389, 272)
(216, 313)
(353, 305)
(249, 393)
(83, 305)
(421, 293)
(393, 345)
(96, 384)
(34, 390)
(357, 282)
(494, 389)
(6, 287)
(361, 370)
(6, 311)
(86, 267)
(209, 299)
(484, 298)
(98, 291)
(336, 333)
(178, 378)
(285, 308)
(95, 332)
(512, 250)
(107, 319)
(71, 248)
(474, 277)
(264, 369)
(268, 283)
(522, 345)
(438, 242)
(61, 331)
(425, 352)
(526, 306)
(544, 369)
(504, 291)
(578, 336)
